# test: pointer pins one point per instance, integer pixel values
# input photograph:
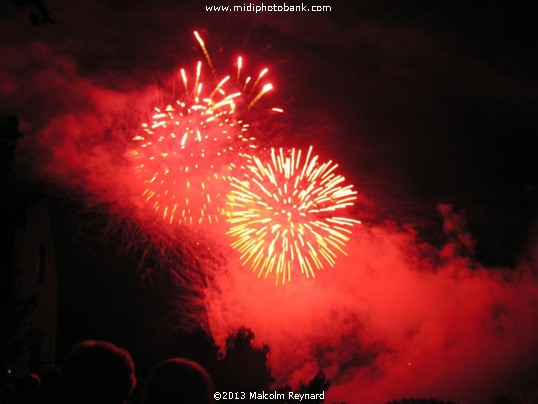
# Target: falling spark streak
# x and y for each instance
(204, 50)
(265, 89)
(182, 155)
(281, 214)
(239, 66)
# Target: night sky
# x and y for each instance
(429, 110)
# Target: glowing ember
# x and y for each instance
(283, 214)
(183, 155)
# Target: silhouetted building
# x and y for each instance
(31, 288)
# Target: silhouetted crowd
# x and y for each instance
(98, 372)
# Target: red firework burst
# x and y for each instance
(283, 214)
(183, 155)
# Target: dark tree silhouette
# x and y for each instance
(9, 134)
(244, 368)
(39, 15)
(318, 384)
(505, 399)
(15, 334)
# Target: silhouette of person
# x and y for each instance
(28, 387)
(178, 381)
(97, 372)
(8, 394)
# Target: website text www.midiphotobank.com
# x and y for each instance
(268, 7)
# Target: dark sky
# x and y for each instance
(420, 103)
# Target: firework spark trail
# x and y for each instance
(180, 153)
(282, 214)
(183, 156)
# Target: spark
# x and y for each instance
(283, 214)
(266, 88)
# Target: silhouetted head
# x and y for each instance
(8, 394)
(97, 372)
(178, 381)
(27, 388)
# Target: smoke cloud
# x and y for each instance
(395, 318)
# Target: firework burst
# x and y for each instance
(283, 214)
(183, 155)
